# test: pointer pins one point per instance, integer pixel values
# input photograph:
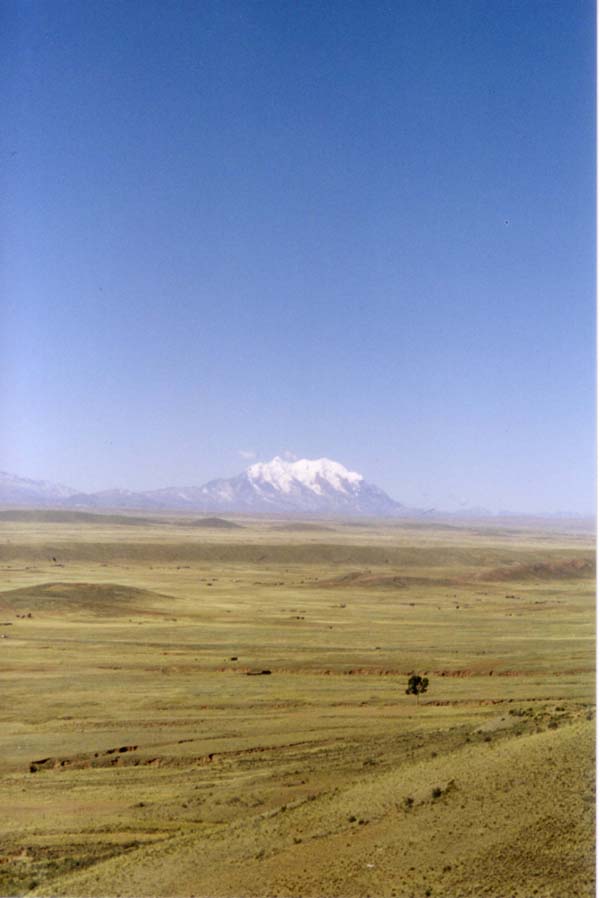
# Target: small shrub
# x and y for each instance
(436, 792)
(417, 685)
(409, 801)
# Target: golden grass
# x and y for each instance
(322, 778)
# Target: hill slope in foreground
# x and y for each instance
(138, 757)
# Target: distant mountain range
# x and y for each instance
(24, 492)
(309, 487)
(306, 486)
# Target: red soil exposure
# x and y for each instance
(99, 759)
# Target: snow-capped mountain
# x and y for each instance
(305, 486)
(315, 486)
(23, 491)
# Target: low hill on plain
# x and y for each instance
(104, 599)
(215, 524)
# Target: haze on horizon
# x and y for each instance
(361, 230)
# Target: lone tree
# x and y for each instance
(417, 685)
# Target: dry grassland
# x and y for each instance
(139, 758)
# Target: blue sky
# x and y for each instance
(363, 230)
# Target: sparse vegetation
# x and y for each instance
(152, 748)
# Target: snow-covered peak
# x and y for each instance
(311, 474)
(40, 487)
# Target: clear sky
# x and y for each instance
(363, 230)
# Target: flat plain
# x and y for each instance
(192, 709)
